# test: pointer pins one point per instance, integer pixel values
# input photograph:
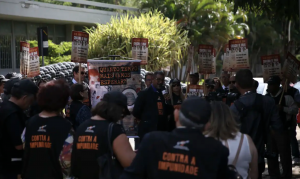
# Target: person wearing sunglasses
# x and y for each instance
(232, 83)
(176, 99)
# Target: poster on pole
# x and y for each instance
(226, 58)
(206, 59)
(34, 62)
(290, 68)
(116, 75)
(195, 90)
(24, 57)
(239, 55)
(140, 50)
(271, 66)
(80, 47)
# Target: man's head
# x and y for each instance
(148, 79)
(210, 85)
(189, 114)
(76, 72)
(244, 80)
(158, 79)
(23, 93)
(225, 78)
(194, 78)
(232, 82)
(274, 84)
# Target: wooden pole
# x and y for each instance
(283, 90)
(187, 84)
(79, 71)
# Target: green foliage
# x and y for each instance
(167, 41)
(57, 52)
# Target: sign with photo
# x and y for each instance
(116, 75)
(290, 68)
(24, 57)
(140, 50)
(271, 66)
(206, 59)
(226, 58)
(195, 90)
(34, 62)
(80, 47)
(239, 55)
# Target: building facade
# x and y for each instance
(19, 21)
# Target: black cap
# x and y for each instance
(196, 75)
(274, 80)
(210, 82)
(175, 80)
(117, 98)
(9, 85)
(197, 110)
(27, 86)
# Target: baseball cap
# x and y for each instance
(9, 85)
(117, 98)
(274, 80)
(27, 86)
(175, 80)
(197, 110)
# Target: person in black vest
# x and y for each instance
(12, 124)
(91, 140)
(34, 108)
(48, 137)
(287, 108)
(79, 112)
(185, 153)
(262, 114)
(150, 108)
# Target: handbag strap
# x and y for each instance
(238, 151)
(109, 132)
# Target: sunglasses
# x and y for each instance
(232, 82)
(174, 85)
(83, 73)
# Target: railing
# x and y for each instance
(97, 4)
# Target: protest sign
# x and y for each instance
(80, 47)
(291, 68)
(239, 57)
(34, 62)
(116, 75)
(140, 50)
(271, 66)
(24, 58)
(206, 59)
(226, 58)
(195, 90)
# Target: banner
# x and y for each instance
(34, 62)
(42, 33)
(291, 68)
(271, 66)
(140, 50)
(116, 75)
(195, 90)
(80, 47)
(226, 58)
(206, 58)
(24, 57)
(239, 55)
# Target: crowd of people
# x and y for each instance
(49, 131)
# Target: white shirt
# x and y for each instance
(225, 87)
(74, 81)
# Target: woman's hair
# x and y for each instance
(171, 94)
(109, 111)
(53, 96)
(75, 92)
(222, 123)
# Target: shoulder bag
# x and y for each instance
(232, 167)
(110, 167)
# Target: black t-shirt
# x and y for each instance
(91, 142)
(12, 124)
(44, 141)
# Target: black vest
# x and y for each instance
(44, 140)
(282, 114)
